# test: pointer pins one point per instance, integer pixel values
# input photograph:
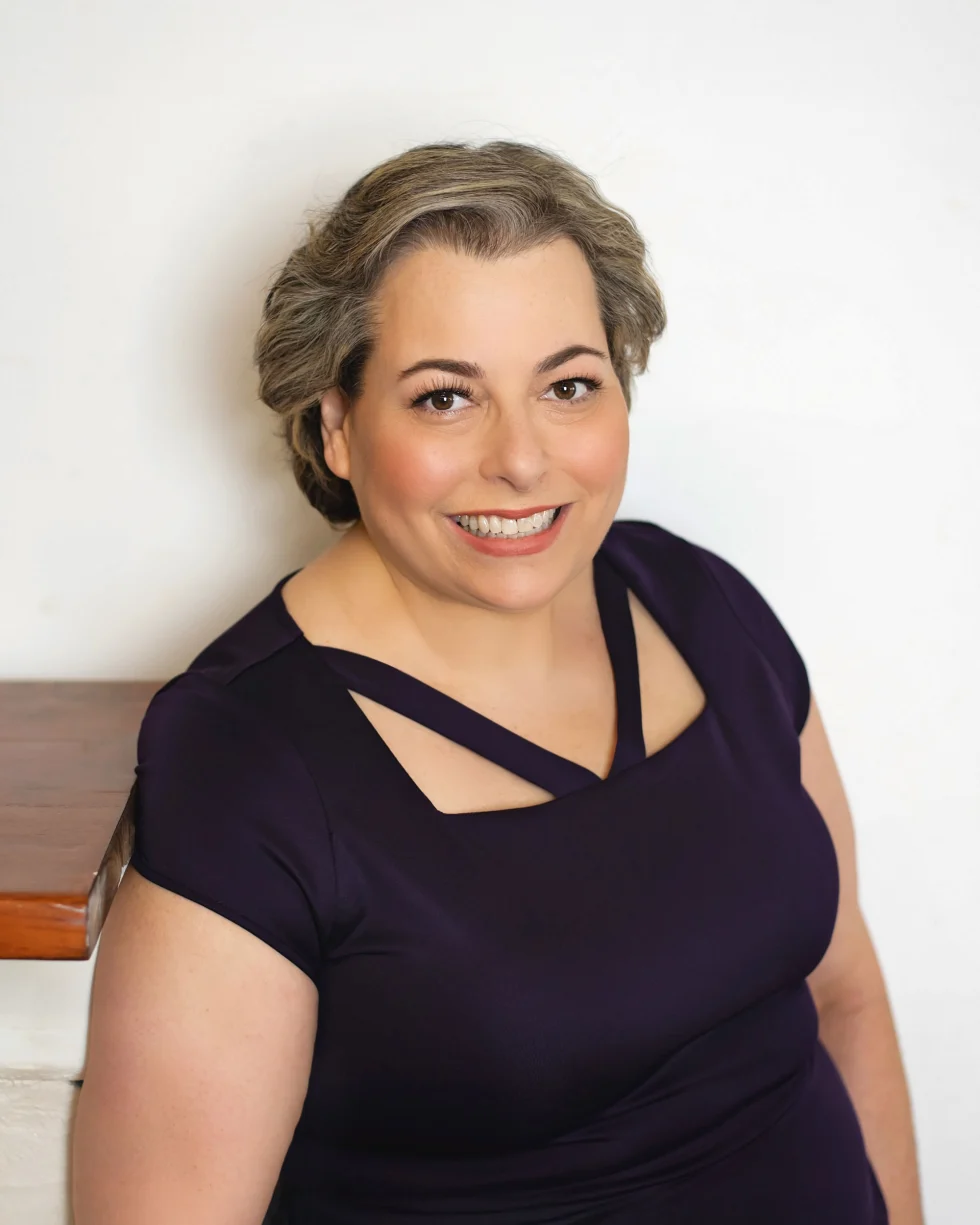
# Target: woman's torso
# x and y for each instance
(590, 1009)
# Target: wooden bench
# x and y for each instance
(67, 752)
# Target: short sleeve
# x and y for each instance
(227, 815)
(770, 636)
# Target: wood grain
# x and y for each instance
(67, 752)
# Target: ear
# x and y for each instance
(334, 424)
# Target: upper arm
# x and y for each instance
(848, 975)
(204, 1000)
(200, 1043)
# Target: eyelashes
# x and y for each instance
(463, 392)
(454, 389)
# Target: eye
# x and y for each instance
(566, 390)
(442, 400)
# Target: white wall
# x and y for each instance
(808, 177)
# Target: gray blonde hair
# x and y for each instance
(490, 200)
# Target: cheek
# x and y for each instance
(399, 468)
(596, 455)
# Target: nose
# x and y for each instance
(513, 446)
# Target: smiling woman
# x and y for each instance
(496, 200)
(495, 865)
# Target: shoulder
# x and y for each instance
(224, 682)
(220, 720)
(258, 635)
(705, 585)
(227, 811)
(218, 690)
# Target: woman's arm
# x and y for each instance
(855, 1018)
(200, 1044)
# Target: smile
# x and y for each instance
(498, 525)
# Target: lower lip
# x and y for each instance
(513, 546)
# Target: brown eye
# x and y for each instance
(565, 390)
(442, 399)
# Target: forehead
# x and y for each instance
(440, 302)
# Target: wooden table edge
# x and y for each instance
(66, 926)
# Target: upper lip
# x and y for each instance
(511, 514)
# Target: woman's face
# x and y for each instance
(489, 392)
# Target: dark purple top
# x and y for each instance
(593, 1009)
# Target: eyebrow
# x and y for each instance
(470, 370)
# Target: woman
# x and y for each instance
(495, 865)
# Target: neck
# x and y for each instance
(379, 609)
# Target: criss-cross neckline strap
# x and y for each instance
(612, 597)
(436, 710)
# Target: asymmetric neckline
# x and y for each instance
(432, 708)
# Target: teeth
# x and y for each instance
(500, 525)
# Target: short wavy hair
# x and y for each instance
(490, 200)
